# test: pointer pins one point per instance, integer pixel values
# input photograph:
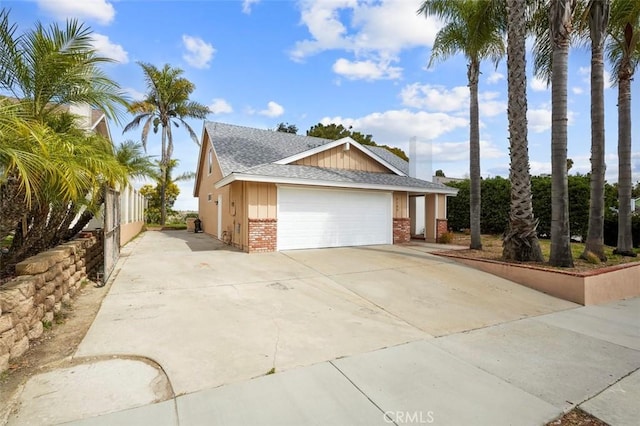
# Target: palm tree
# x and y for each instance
(560, 26)
(48, 68)
(623, 51)
(49, 165)
(167, 181)
(474, 28)
(130, 156)
(166, 102)
(521, 241)
(598, 17)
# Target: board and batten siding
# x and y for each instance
(338, 158)
(400, 205)
(261, 200)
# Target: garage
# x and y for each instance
(315, 218)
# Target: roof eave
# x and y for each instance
(233, 177)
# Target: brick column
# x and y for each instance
(401, 230)
(262, 235)
(441, 228)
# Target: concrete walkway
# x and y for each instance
(191, 329)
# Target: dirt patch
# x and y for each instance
(577, 417)
(492, 250)
(56, 345)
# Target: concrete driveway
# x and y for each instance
(191, 329)
(210, 315)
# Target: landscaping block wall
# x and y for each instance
(44, 282)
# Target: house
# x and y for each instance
(128, 208)
(262, 190)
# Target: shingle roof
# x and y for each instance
(240, 148)
(253, 152)
(293, 171)
(390, 158)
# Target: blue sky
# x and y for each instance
(360, 63)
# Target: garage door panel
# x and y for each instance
(313, 218)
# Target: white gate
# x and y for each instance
(111, 231)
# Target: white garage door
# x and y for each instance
(313, 218)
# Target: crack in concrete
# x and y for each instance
(275, 349)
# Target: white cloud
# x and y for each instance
(273, 110)
(379, 29)
(220, 106)
(111, 50)
(495, 78)
(435, 98)
(537, 168)
(539, 119)
(366, 70)
(456, 99)
(539, 84)
(135, 94)
(396, 127)
(490, 107)
(577, 90)
(199, 53)
(586, 72)
(449, 152)
(246, 5)
(101, 11)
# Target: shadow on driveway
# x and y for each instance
(199, 241)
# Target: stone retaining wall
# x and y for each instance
(44, 282)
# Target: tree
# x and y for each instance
(153, 194)
(287, 128)
(167, 102)
(598, 17)
(49, 68)
(475, 29)
(338, 131)
(130, 156)
(51, 163)
(560, 27)
(623, 51)
(440, 173)
(520, 242)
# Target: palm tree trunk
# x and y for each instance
(521, 240)
(560, 21)
(473, 71)
(33, 241)
(625, 242)
(85, 218)
(598, 17)
(12, 206)
(164, 161)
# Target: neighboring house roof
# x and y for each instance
(90, 118)
(257, 155)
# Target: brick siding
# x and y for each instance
(401, 230)
(441, 228)
(262, 235)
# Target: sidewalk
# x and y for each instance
(526, 370)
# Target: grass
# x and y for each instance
(492, 249)
(167, 226)
(6, 241)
